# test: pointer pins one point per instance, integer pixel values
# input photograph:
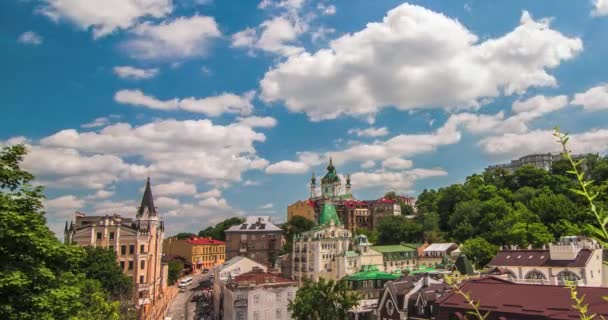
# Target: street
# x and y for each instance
(181, 302)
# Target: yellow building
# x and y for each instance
(304, 209)
(203, 253)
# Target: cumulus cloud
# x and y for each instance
(368, 164)
(212, 106)
(104, 16)
(128, 72)
(397, 62)
(397, 163)
(401, 180)
(175, 188)
(183, 37)
(593, 99)
(275, 35)
(369, 132)
(267, 206)
(98, 122)
(600, 8)
(287, 167)
(30, 38)
(101, 194)
(258, 122)
(514, 145)
(327, 9)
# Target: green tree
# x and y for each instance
(530, 234)
(479, 250)
(372, 235)
(175, 269)
(296, 225)
(184, 235)
(323, 300)
(396, 229)
(39, 276)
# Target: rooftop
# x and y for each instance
(199, 240)
(394, 248)
(255, 223)
(440, 246)
(542, 301)
(257, 276)
(371, 273)
(538, 258)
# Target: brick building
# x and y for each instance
(257, 238)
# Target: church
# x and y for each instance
(352, 212)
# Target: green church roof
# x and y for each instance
(329, 214)
(331, 176)
(393, 248)
(371, 273)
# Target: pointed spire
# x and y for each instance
(313, 180)
(348, 179)
(66, 226)
(331, 167)
(147, 202)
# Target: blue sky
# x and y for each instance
(229, 106)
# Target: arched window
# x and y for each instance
(536, 275)
(567, 276)
(511, 274)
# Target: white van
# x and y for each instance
(185, 282)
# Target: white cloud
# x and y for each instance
(287, 167)
(258, 122)
(213, 193)
(98, 122)
(166, 203)
(368, 164)
(128, 72)
(399, 181)
(175, 188)
(369, 132)
(361, 73)
(267, 206)
(600, 8)
(275, 35)
(183, 37)
(397, 163)
(212, 106)
(63, 203)
(593, 99)
(328, 10)
(101, 194)
(30, 38)
(513, 145)
(138, 98)
(105, 16)
(251, 183)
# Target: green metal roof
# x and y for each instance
(393, 248)
(371, 273)
(329, 214)
(423, 270)
(350, 254)
(330, 176)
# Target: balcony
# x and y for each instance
(240, 303)
(144, 286)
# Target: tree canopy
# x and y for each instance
(296, 225)
(323, 300)
(529, 207)
(40, 277)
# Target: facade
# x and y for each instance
(302, 208)
(577, 259)
(315, 252)
(229, 270)
(362, 255)
(257, 238)
(436, 252)
(137, 243)
(411, 297)
(398, 257)
(368, 283)
(504, 299)
(258, 295)
(353, 213)
(203, 253)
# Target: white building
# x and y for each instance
(577, 259)
(363, 255)
(229, 270)
(258, 295)
(435, 252)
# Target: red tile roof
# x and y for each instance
(197, 240)
(260, 277)
(521, 301)
(537, 258)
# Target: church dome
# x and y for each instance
(331, 176)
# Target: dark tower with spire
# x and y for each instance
(348, 184)
(313, 186)
(147, 207)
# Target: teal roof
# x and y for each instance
(371, 273)
(393, 248)
(350, 254)
(331, 176)
(423, 270)
(329, 214)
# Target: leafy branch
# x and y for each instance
(467, 297)
(579, 303)
(600, 234)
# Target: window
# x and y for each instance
(141, 248)
(256, 299)
(256, 315)
(240, 315)
(535, 274)
(98, 236)
(111, 235)
(278, 315)
(132, 249)
(122, 265)
(142, 264)
(279, 296)
(141, 279)
(130, 265)
(123, 249)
